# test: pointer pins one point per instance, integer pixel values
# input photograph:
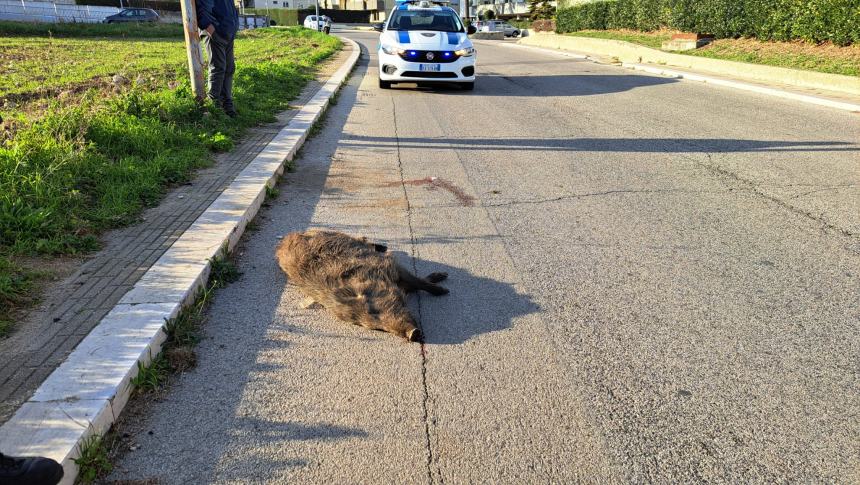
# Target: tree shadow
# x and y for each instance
(620, 145)
(542, 86)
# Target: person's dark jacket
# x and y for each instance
(220, 13)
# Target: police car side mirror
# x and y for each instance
(377, 27)
(471, 30)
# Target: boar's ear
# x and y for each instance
(380, 248)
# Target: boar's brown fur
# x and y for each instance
(354, 279)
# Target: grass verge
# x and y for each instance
(826, 58)
(99, 120)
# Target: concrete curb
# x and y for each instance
(780, 93)
(633, 53)
(87, 392)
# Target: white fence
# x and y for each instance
(30, 11)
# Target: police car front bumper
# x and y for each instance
(394, 68)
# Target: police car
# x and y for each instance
(424, 41)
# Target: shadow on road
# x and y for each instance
(475, 306)
(584, 84)
(623, 145)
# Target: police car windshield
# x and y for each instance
(434, 20)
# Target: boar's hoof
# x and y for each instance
(414, 335)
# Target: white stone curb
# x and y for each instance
(804, 98)
(87, 392)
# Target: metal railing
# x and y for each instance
(29, 11)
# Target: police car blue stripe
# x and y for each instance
(403, 36)
(453, 38)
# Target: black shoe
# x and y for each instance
(231, 112)
(29, 470)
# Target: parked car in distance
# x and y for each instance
(133, 15)
(321, 23)
(497, 26)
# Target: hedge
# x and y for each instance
(836, 21)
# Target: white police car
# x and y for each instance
(424, 41)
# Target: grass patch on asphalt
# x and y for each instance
(80, 153)
(826, 58)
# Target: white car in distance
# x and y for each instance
(318, 22)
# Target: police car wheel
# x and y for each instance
(384, 84)
(468, 86)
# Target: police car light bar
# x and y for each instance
(434, 2)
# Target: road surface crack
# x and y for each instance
(754, 188)
(414, 254)
(600, 194)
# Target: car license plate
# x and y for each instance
(430, 67)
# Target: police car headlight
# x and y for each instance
(467, 52)
(392, 50)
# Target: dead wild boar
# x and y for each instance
(354, 279)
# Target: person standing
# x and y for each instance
(218, 21)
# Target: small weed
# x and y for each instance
(223, 272)
(290, 165)
(252, 226)
(93, 462)
(318, 125)
(183, 330)
(151, 377)
(272, 192)
(5, 328)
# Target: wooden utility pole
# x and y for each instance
(192, 45)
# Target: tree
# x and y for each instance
(541, 10)
(489, 15)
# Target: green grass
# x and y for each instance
(801, 57)
(824, 58)
(93, 462)
(11, 29)
(646, 39)
(15, 283)
(223, 271)
(151, 377)
(72, 166)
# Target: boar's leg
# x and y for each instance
(436, 277)
(408, 282)
(379, 248)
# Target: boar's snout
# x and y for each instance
(414, 335)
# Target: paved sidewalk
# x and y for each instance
(76, 305)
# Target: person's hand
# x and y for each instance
(210, 29)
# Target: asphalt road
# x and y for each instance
(651, 281)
